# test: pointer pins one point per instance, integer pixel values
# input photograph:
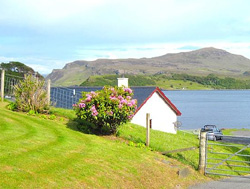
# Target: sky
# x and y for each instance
(47, 34)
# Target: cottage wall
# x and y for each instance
(163, 117)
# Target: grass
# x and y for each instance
(180, 84)
(162, 142)
(42, 153)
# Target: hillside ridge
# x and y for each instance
(198, 62)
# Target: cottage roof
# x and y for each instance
(162, 95)
(142, 94)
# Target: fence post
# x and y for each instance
(2, 84)
(148, 129)
(48, 91)
(202, 152)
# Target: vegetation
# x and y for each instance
(105, 110)
(30, 95)
(214, 81)
(18, 69)
(162, 142)
(172, 81)
(43, 153)
(134, 80)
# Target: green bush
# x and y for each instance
(105, 110)
(12, 106)
(30, 95)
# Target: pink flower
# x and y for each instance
(124, 102)
(93, 109)
(93, 93)
(129, 104)
(128, 90)
(120, 106)
(128, 97)
(113, 98)
(88, 99)
(81, 105)
(120, 97)
(130, 116)
(94, 113)
(74, 105)
(133, 102)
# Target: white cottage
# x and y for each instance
(162, 111)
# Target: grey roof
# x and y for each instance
(140, 93)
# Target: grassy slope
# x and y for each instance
(179, 84)
(35, 152)
(162, 142)
(160, 82)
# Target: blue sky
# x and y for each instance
(47, 34)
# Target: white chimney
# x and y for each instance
(122, 82)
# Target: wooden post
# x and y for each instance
(202, 153)
(148, 129)
(48, 91)
(2, 84)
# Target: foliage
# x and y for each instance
(134, 80)
(172, 81)
(30, 95)
(214, 81)
(12, 106)
(107, 109)
(18, 69)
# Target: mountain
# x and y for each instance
(199, 62)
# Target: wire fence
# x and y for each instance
(65, 97)
(9, 83)
(62, 97)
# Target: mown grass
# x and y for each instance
(41, 153)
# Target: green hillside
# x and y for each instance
(172, 81)
(41, 153)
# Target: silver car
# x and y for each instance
(213, 133)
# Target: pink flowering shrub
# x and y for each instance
(107, 109)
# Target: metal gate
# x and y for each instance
(228, 157)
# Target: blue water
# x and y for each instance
(224, 108)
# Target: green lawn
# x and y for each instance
(40, 153)
(160, 141)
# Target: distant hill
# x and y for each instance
(199, 62)
(18, 69)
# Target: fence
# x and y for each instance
(228, 157)
(7, 85)
(63, 97)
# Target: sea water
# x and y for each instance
(224, 108)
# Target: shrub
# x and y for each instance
(30, 95)
(107, 109)
(12, 106)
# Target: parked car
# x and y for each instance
(213, 133)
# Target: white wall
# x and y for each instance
(163, 117)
